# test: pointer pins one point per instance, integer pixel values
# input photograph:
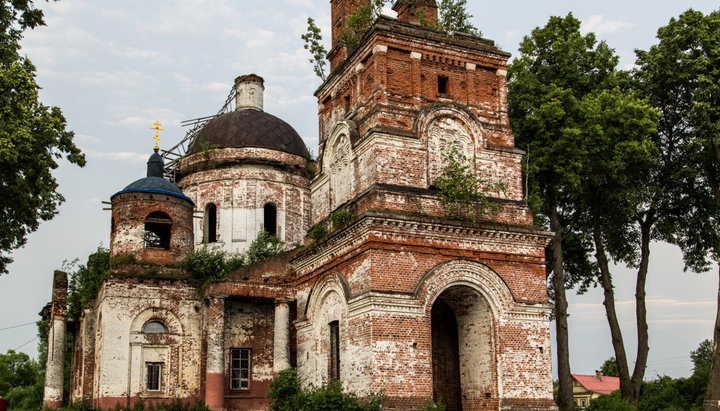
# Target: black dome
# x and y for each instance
(249, 128)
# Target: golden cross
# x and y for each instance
(157, 128)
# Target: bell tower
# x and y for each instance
(401, 296)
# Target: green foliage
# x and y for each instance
(85, 281)
(208, 264)
(264, 247)
(341, 218)
(312, 38)
(359, 22)
(21, 382)
(461, 192)
(32, 137)
(318, 232)
(206, 147)
(431, 405)
(454, 18)
(286, 395)
(610, 402)
(702, 358)
(610, 368)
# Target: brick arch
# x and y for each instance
(163, 315)
(330, 281)
(471, 274)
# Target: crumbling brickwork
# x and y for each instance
(402, 298)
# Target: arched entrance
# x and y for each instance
(463, 349)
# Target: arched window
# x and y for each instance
(270, 219)
(158, 227)
(154, 327)
(210, 223)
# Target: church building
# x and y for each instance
(380, 286)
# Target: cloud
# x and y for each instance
(597, 24)
(124, 156)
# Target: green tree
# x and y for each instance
(617, 207)
(359, 22)
(557, 68)
(681, 76)
(86, 280)
(32, 136)
(264, 247)
(453, 17)
(20, 381)
(610, 368)
(313, 39)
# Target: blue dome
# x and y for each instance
(154, 182)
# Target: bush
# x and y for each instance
(264, 247)
(610, 402)
(341, 218)
(208, 264)
(286, 395)
(318, 232)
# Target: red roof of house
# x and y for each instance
(600, 384)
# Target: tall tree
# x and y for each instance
(619, 207)
(454, 17)
(681, 76)
(32, 136)
(556, 69)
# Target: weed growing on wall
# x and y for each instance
(461, 192)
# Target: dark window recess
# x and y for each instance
(442, 85)
(334, 350)
(157, 230)
(211, 223)
(154, 376)
(270, 219)
(154, 327)
(240, 368)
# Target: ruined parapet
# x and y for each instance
(54, 371)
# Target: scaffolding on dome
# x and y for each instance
(172, 157)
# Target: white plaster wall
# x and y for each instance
(122, 353)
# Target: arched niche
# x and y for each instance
(338, 164)
(442, 126)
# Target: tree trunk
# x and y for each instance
(641, 309)
(565, 395)
(712, 396)
(626, 387)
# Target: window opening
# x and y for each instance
(154, 373)
(211, 223)
(154, 327)
(334, 350)
(157, 230)
(270, 219)
(442, 85)
(240, 367)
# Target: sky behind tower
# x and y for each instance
(115, 67)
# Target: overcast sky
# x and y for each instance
(114, 67)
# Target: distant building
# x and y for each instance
(588, 387)
(398, 297)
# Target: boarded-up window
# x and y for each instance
(334, 350)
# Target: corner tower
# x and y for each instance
(151, 219)
(401, 296)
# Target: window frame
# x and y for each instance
(158, 377)
(239, 379)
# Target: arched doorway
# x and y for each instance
(463, 354)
